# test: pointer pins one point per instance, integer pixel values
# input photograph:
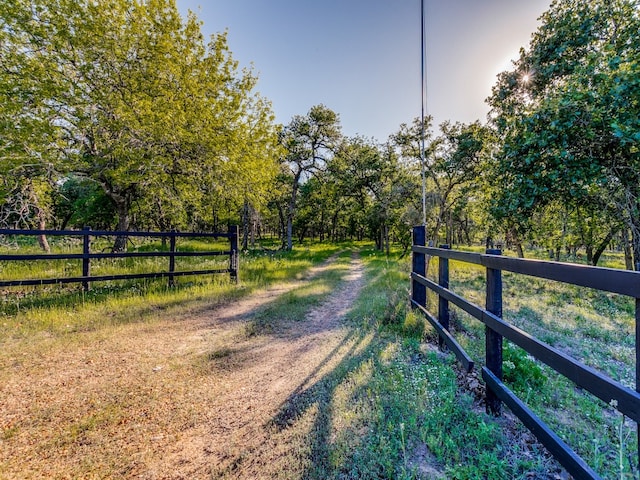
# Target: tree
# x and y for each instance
(457, 159)
(567, 116)
(378, 187)
(129, 95)
(80, 202)
(26, 200)
(308, 142)
(452, 166)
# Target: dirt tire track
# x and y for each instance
(192, 398)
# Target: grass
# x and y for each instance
(594, 327)
(293, 305)
(78, 431)
(392, 406)
(66, 309)
(410, 417)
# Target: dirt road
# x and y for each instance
(193, 397)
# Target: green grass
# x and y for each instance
(393, 407)
(67, 309)
(594, 327)
(410, 417)
(292, 305)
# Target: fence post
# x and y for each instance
(172, 258)
(86, 261)
(493, 340)
(419, 266)
(443, 303)
(233, 255)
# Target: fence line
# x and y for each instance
(611, 280)
(86, 256)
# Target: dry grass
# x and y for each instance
(176, 396)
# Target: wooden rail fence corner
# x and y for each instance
(626, 400)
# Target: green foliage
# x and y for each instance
(521, 370)
(129, 95)
(308, 141)
(79, 202)
(452, 168)
(382, 190)
(565, 119)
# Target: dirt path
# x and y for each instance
(183, 398)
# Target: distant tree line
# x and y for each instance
(118, 115)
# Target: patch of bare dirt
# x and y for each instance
(192, 397)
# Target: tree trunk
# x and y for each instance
(245, 225)
(283, 226)
(253, 231)
(289, 232)
(631, 210)
(603, 245)
(467, 234)
(387, 247)
(65, 221)
(589, 249)
(334, 226)
(122, 201)
(434, 236)
(124, 222)
(378, 237)
(292, 210)
(513, 239)
(42, 239)
(450, 234)
(635, 238)
(628, 258)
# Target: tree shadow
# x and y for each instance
(364, 345)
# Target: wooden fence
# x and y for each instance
(622, 282)
(87, 256)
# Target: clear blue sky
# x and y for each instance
(361, 58)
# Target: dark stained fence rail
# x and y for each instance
(86, 256)
(606, 279)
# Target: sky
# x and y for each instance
(361, 58)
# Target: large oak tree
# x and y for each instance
(567, 115)
(308, 142)
(129, 95)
